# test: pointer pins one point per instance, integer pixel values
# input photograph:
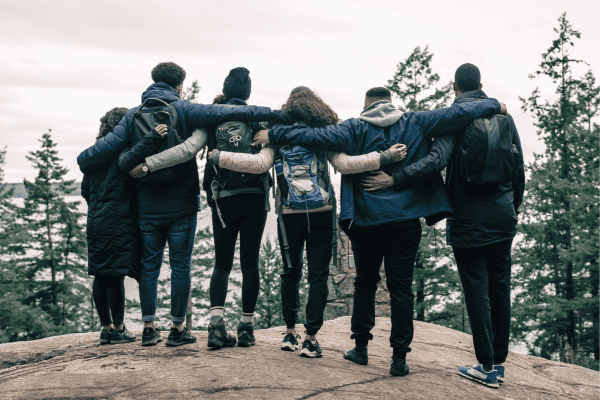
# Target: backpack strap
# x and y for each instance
(286, 245)
(334, 237)
(214, 186)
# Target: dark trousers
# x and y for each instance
(244, 214)
(316, 229)
(395, 244)
(485, 276)
(109, 297)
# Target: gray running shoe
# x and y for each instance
(290, 342)
(311, 350)
(177, 338)
(245, 334)
(123, 336)
(217, 334)
(105, 336)
(150, 337)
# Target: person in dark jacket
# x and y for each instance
(384, 225)
(112, 234)
(480, 231)
(167, 212)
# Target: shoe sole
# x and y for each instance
(122, 341)
(356, 360)
(173, 344)
(241, 344)
(218, 345)
(472, 378)
(309, 354)
(104, 341)
(289, 347)
(152, 342)
(395, 372)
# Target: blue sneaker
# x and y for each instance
(476, 373)
(500, 369)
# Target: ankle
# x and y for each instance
(120, 327)
(312, 338)
(178, 326)
(149, 324)
(487, 368)
(292, 331)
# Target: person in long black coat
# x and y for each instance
(114, 248)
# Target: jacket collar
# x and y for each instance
(162, 91)
(236, 102)
(470, 96)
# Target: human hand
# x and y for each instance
(213, 157)
(261, 137)
(503, 109)
(162, 129)
(138, 172)
(398, 151)
(377, 180)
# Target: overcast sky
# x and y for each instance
(66, 63)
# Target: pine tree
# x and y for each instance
(55, 267)
(268, 307)
(556, 307)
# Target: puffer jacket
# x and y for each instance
(181, 197)
(380, 126)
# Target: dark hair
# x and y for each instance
(378, 93)
(169, 73)
(467, 77)
(306, 106)
(220, 99)
(111, 120)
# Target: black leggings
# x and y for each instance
(244, 214)
(109, 296)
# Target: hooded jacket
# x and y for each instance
(378, 127)
(181, 197)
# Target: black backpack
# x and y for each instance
(145, 119)
(485, 153)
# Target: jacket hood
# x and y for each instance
(381, 113)
(160, 91)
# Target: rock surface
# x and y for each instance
(77, 367)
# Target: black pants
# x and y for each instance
(395, 244)
(109, 297)
(316, 229)
(244, 214)
(485, 276)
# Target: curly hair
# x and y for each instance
(110, 120)
(169, 73)
(306, 106)
(220, 99)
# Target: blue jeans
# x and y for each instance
(179, 233)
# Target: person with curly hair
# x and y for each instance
(314, 227)
(112, 233)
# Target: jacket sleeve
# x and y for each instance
(85, 187)
(438, 158)
(142, 149)
(107, 148)
(250, 163)
(455, 118)
(333, 137)
(179, 154)
(518, 178)
(200, 115)
(345, 164)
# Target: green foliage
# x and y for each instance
(268, 306)
(556, 274)
(414, 83)
(191, 92)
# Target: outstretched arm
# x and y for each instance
(199, 115)
(107, 148)
(243, 162)
(456, 117)
(148, 145)
(179, 154)
(372, 161)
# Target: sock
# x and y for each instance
(487, 368)
(247, 317)
(216, 311)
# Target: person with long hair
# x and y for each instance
(313, 227)
(113, 240)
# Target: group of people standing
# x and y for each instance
(143, 192)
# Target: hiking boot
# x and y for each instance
(150, 337)
(177, 338)
(217, 334)
(105, 336)
(500, 369)
(311, 350)
(359, 357)
(477, 374)
(245, 334)
(398, 366)
(290, 342)
(123, 336)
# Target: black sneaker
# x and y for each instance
(105, 336)
(398, 366)
(245, 334)
(177, 338)
(290, 342)
(123, 336)
(359, 357)
(217, 334)
(150, 337)
(311, 350)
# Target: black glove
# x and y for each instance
(279, 117)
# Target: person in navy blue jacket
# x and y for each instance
(167, 212)
(384, 226)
